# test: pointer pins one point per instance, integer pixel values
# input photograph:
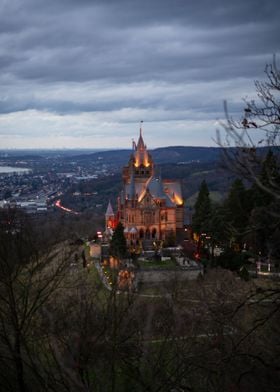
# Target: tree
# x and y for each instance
(29, 276)
(201, 217)
(118, 246)
(237, 213)
(264, 220)
(258, 127)
(269, 177)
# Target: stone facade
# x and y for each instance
(149, 207)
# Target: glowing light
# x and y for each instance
(141, 159)
(58, 205)
(146, 162)
(178, 200)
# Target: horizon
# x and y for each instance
(4, 150)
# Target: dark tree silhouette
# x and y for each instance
(258, 127)
(201, 217)
(118, 246)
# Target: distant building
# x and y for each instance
(149, 207)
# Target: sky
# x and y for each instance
(84, 73)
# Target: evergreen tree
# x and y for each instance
(267, 184)
(237, 212)
(118, 246)
(264, 220)
(201, 217)
(217, 225)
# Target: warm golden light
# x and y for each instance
(146, 163)
(178, 200)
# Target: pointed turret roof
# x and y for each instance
(140, 144)
(109, 211)
(141, 155)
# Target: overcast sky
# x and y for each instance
(83, 73)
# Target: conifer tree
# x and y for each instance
(265, 215)
(236, 212)
(267, 185)
(118, 246)
(202, 207)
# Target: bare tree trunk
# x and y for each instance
(19, 363)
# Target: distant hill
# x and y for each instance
(174, 154)
(185, 155)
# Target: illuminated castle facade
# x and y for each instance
(149, 207)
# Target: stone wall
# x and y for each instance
(156, 276)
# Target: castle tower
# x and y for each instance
(110, 218)
(140, 163)
(149, 207)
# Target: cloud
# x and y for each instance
(170, 62)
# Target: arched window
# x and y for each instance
(141, 233)
(154, 233)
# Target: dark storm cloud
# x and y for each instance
(132, 40)
(72, 56)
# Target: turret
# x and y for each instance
(140, 161)
(110, 218)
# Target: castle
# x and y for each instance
(149, 207)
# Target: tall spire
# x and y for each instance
(141, 145)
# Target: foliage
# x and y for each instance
(258, 126)
(170, 239)
(247, 217)
(201, 217)
(237, 212)
(59, 332)
(118, 247)
(231, 260)
(28, 278)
